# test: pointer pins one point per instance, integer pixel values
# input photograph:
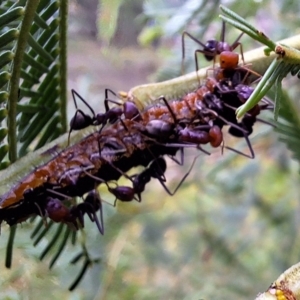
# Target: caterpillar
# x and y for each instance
(138, 138)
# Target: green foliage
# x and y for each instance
(33, 74)
(32, 79)
(288, 126)
(231, 218)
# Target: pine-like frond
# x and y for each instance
(32, 79)
(288, 126)
(33, 75)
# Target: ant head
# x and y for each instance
(93, 198)
(229, 60)
(55, 209)
(216, 136)
(101, 118)
(211, 47)
(123, 193)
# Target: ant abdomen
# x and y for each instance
(80, 121)
(193, 136)
(159, 128)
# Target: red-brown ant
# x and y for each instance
(59, 212)
(212, 48)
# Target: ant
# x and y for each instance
(58, 212)
(161, 129)
(111, 115)
(198, 136)
(156, 170)
(211, 48)
(241, 93)
(228, 59)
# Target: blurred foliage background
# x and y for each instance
(232, 227)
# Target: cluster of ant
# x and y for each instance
(135, 138)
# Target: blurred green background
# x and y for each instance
(232, 227)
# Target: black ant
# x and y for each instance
(91, 204)
(241, 93)
(155, 170)
(111, 115)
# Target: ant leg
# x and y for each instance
(169, 108)
(181, 181)
(181, 160)
(122, 193)
(94, 177)
(249, 71)
(186, 145)
(84, 120)
(77, 124)
(119, 170)
(183, 47)
(227, 122)
(106, 100)
(94, 201)
(241, 153)
(43, 215)
(65, 197)
(197, 64)
(266, 122)
(74, 94)
(238, 44)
